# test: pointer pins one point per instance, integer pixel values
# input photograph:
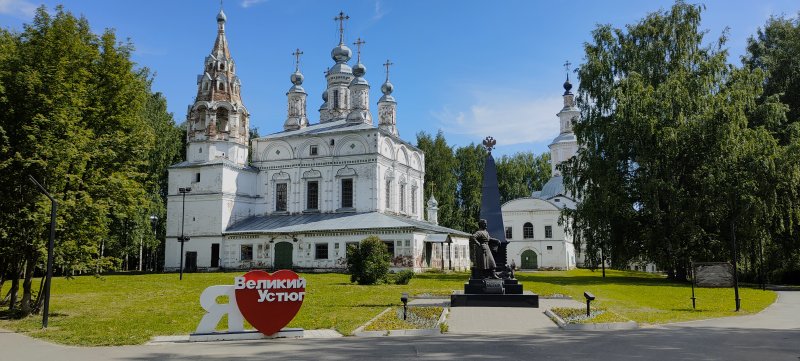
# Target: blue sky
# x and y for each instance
(470, 68)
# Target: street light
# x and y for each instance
(53, 206)
(183, 239)
(154, 223)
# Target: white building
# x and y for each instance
(311, 189)
(537, 240)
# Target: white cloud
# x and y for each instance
(511, 119)
(379, 11)
(18, 8)
(249, 3)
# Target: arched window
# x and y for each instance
(222, 120)
(527, 230)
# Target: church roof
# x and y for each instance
(340, 125)
(223, 161)
(565, 138)
(553, 187)
(318, 222)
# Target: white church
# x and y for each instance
(537, 239)
(310, 190)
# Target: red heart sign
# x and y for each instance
(269, 301)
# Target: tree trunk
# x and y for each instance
(27, 294)
(12, 299)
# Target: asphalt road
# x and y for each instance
(773, 334)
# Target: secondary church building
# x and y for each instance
(310, 190)
(537, 239)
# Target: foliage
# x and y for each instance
(368, 263)
(461, 168)
(403, 277)
(163, 306)
(81, 120)
(666, 164)
(521, 174)
(440, 179)
(775, 50)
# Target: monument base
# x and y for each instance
(526, 299)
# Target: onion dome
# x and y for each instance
(221, 18)
(296, 78)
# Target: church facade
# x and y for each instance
(310, 190)
(537, 239)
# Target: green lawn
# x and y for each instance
(130, 309)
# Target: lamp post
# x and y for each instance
(153, 223)
(183, 239)
(735, 267)
(404, 299)
(50, 245)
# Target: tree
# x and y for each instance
(521, 174)
(440, 177)
(76, 118)
(368, 263)
(775, 50)
(666, 158)
(470, 162)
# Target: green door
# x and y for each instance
(529, 260)
(283, 255)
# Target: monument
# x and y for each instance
(492, 282)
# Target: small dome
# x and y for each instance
(325, 96)
(387, 88)
(296, 78)
(567, 87)
(341, 53)
(221, 16)
(359, 70)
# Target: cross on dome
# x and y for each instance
(297, 54)
(566, 67)
(358, 45)
(341, 18)
(387, 64)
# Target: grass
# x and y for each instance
(130, 309)
(416, 318)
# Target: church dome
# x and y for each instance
(296, 78)
(552, 188)
(387, 88)
(567, 87)
(341, 53)
(359, 70)
(325, 97)
(221, 16)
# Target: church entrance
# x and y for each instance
(529, 260)
(428, 252)
(283, 255)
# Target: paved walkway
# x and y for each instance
(505, 320)
(770, 335)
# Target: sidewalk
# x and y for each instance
(505, 320)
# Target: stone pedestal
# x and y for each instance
(488, 292)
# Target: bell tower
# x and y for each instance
(218, 124)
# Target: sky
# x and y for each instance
(469, 68)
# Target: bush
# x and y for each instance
(403, 277)
(368, 263)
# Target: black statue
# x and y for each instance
(486, 250)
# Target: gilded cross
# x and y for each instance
(387, 64)
(566, 67)
(341, 18)
(297, 54)
(358, 45)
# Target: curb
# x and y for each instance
(609, 326)
(436, 330)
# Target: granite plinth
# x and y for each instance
(478, 286)
(526, 299)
